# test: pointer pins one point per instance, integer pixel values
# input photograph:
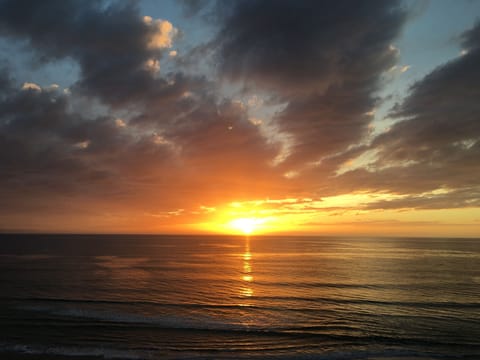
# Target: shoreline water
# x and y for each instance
(97, 297)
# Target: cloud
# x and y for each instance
(162, 33)
(53, 153)
(152, 65)
(48, 152)
(196, 145)
(82, 144)
(471, 38)
(323, 59)
(463, 198)
(435, 143)
(120, 123)
(310, 45)
(151, 142)
(440, 117)
(31, 86)
(105, 39)
(191, 8)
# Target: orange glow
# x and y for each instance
(245, 225)
(245, 218)
(246, 290)
(343, 215)
(248, 278)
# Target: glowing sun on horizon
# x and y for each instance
(245, 225)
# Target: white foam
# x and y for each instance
(165, 321)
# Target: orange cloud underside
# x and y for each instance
(341, 215)
(336, 215)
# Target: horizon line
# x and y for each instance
(6, 233)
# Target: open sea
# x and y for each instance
(226, 297)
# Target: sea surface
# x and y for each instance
(226, 297)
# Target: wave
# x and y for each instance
(438, 304)
(336, 333)
(360, 286)
(130, 302)
(417, 304)
(268, 354)
(167, 322)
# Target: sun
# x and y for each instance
(240, 222)
(245, 225)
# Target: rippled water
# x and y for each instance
(214, 297)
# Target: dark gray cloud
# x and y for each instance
(34, 153)
(106, 39)
(5, 81)
(442, 110)
(436, 142)
(308, 45)
(471, 38)
(181, 138)
(327, 124)
(52, 155)
(323, 58)
(440, 129)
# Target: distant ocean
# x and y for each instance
(225, 297)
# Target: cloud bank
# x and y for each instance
(152, 142)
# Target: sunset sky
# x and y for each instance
(270, 116)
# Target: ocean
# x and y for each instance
(232, 297)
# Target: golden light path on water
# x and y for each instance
(247, 276)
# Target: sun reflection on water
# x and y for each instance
(247, 277)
